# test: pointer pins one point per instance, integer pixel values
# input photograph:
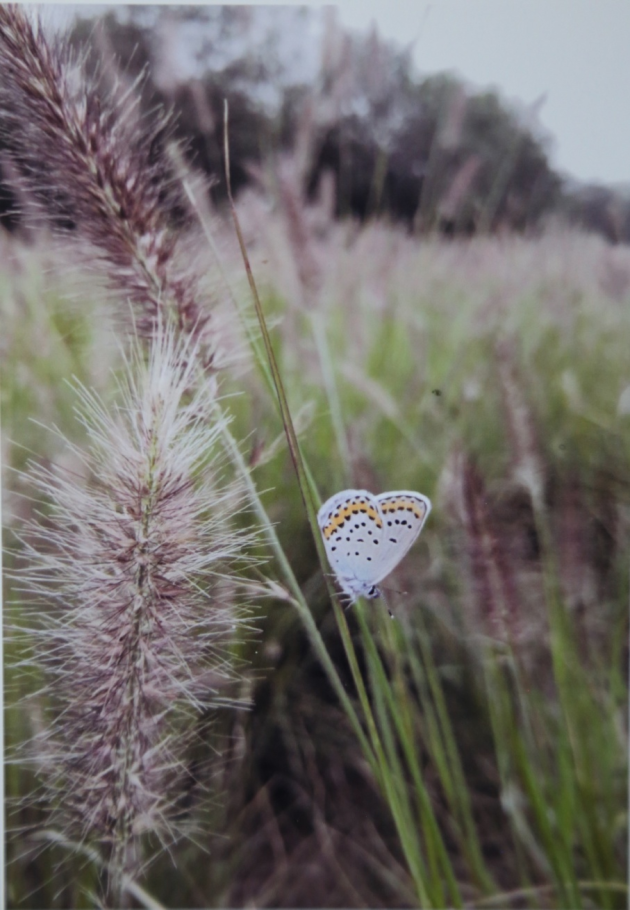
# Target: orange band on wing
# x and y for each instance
(419, 510)
(337, 520)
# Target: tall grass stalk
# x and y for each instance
(589, 732)
(135, 561)
(267, 365)
(382, 754)
(436, 735)
(88, 157)
(394, 708)
(509, 706)
(393, 711)
(137, 642)
(586, 731)
(301, 469)
(296, 593)
(382, 760)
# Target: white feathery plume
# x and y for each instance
(136, 602)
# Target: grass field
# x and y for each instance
(192, 717)
(491, 767)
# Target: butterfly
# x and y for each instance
(366, 536)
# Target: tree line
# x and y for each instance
(429, 152)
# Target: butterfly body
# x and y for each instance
(366, 536)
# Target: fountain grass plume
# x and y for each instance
(87, 154)
(135, 605)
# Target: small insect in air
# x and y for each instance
(366, 536)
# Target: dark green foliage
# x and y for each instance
(427, 151)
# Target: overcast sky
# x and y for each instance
(575, 53)
(573, 56)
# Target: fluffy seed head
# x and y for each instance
(86, 157)
(135, 611)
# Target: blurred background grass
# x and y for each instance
(491, 376)
(491, 373)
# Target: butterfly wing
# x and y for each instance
(403, 513)
(352, 528)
